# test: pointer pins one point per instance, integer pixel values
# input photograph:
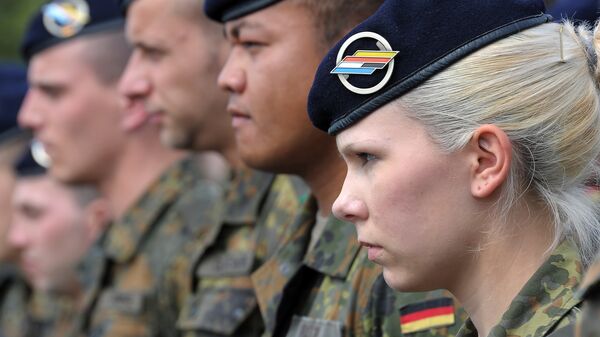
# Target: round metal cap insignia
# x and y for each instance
(365, 62)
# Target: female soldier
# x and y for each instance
(469, 128)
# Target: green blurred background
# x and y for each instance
(14, 16)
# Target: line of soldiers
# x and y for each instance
(219, 189)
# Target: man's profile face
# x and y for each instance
(174, 68)
(48, 229)
(75, 116)
(275, 53)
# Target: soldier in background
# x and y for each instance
(320, 283)
(53, 227)
(77, 51)
(178, 53)
(13, 289)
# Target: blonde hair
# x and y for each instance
(540, 86)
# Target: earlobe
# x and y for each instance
(492, 157)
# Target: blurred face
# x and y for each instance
(72, 113)
(275, 53)
(174, 69)
(48, 228)
(7, 181)
(410, 202)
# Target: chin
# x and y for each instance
(405, 281)
(177, 139)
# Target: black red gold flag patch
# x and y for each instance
(426, 315)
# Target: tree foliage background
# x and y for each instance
(14, 17)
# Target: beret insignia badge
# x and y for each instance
(365, 62)
(65, 18)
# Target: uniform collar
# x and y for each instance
(125, 235)
(336, 249)
(246, 195)
(544, 301)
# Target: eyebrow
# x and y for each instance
(234, 31)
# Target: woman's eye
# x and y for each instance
(365, 157)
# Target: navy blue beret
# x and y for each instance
(401, 46)
(124, 5)
(13, 87)
(27, 165)
(62, 20)
(226, 10)
(579, 10)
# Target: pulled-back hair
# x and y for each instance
(539, 86)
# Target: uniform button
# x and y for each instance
(238, 313)
(284, 269)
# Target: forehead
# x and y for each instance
(283, 18)
(63, 61)
(155, 18)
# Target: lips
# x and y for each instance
(374, 251)
(238, 117)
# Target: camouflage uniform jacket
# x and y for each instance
(546, 303)
(14, 294)
(128, 268)
(588, 322)
(333, 290)
(51, 315)
(259, 209)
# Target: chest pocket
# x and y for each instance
(124, 302)
(226, 299)
(311, 327)
(218, 310)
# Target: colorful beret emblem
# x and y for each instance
(365, 62)
(65, 18)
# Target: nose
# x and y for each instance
(17, 237)
(29, 115)
(133, 83)
(349, 207)
(232, 78)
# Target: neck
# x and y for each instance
(70, 287)
(231, 155)
(133, 172)
(502, 266)
(325, 178)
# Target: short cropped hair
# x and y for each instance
(108, 54)
(336, 17)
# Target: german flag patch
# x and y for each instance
(427, 315)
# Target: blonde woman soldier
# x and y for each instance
(469, 128)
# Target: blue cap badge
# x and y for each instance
(66, 18)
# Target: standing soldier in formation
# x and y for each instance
(490, 112)
(320, 283)
(53, 227)
(178, 53)
(76, 51)
(13, 289)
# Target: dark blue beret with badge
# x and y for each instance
(62, 20)
(13, 87)
(226, 10)
(401, 46)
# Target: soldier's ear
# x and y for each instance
(490, 155)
